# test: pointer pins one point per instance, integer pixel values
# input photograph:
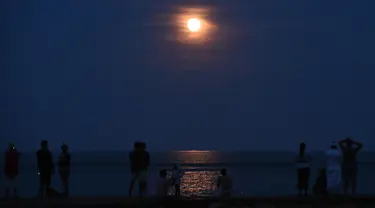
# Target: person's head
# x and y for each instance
(137, 145)
(142, 146)
(44, 144)
(349, 143)
(64, 148)
(302, 148)
(333, 146)
(163, 173)
(176, 166)
(223, 172)
(12, 146)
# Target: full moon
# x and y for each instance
(194, 24)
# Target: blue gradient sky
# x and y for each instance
(100, 74)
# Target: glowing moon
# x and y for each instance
(194, 25)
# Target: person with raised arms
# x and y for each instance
(350, 149)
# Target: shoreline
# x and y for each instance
(276, 201)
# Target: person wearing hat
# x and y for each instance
(46, 168)
(64, 168)
(11, 168)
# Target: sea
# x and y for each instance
(107, 173)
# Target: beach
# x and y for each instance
(253, 202)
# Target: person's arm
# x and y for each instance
(131, 157)
(170, 181)
(358, 146)
(51, 163)
(68, 160)
(147, 159)
(39, 161)
(342, 144)
(218, 182)
(309, 157)
(5, 161)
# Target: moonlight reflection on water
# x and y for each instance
(197, 180)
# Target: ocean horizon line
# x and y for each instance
(160, 158)
(192, 151)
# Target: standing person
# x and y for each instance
(11, 169)
(45, 167)
(303, 170)
(350, 148)
(139, 162)
(176, 178)
(333, 169)
(64, 168)
(224, 183)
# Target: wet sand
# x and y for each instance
(254, 202)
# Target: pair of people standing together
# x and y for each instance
(45, 168)
(341, 167)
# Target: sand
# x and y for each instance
(249, 202)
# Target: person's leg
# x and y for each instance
(48, 183)
(67, 186)
(142, 183)
(345, 180)
(177, 189)
(65, 182)
(353, 179)
(64, 176)
(14, 186)
(306, 180)
(45, 182)
(41, 185)
(7, 186)
(48, 180)
(299, 182)
(142, 188)
(133, 179)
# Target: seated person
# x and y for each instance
(176, 179)
(52, 193)
(163, 184)
(320, 186)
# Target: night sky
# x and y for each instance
(99, 74)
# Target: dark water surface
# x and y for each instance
(254, 173)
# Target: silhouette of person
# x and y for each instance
(64, 168)
(224, 183)
(46, 168)
(333, 169)
(303, 170)
(11, 169)
(176, 178)
(350, 148)
(320, 185)
(163, 184)
(139, 162)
